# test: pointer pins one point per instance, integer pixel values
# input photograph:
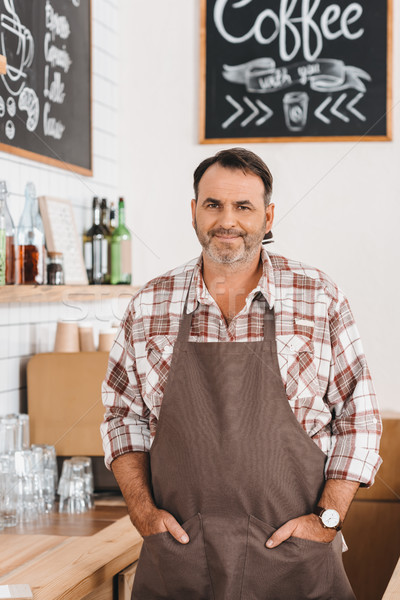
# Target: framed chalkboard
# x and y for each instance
(295, 70)
(45, 96)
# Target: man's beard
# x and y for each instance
(244, 252)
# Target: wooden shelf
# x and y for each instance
(63, 293)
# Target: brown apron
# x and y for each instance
(231, 462)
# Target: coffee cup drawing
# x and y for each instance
(295, 109)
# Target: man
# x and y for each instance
(240, 414)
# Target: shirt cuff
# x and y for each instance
(360, 464)
(122, 439)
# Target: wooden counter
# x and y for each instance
(79, 565)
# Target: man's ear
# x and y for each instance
(193, 205)
(269, 217)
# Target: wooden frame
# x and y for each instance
(54, 162)
(58, 218)
(251, 140)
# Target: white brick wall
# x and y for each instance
(26, 329)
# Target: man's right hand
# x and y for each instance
(132, 472)
(159, 520)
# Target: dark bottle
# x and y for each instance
(30, 240)
(99, 247)
(113, 218)
(106, 265)
(87, 245)
(55, 268)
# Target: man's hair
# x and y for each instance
(237, 158)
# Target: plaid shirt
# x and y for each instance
(321, 359)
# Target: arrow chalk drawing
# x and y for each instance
(239, 111)
(256, 108)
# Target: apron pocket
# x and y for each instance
(168, 569)
(297, 569)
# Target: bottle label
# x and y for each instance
(97, 262)
(87, 252)
(126, 257)
(104, 256)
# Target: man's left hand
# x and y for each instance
(308, 527)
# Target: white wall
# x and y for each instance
(26, 329)
(336, 203)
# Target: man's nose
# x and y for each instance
(227, 218)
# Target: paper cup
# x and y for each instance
(106, 339)
(86, 341)
(67, 337)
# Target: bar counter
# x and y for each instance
(71, 557)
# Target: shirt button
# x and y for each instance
(374, 420)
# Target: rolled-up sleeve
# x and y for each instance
(356, 424)
(126, 421)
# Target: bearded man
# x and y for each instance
(240, 414)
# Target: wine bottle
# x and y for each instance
(99, 247)
(121, 270)
(30, 240)
(106, 257)
(113, 218)
(87, 245)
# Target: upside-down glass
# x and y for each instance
(14, 433)
(8, 490)
(75, 485)
(45, 456)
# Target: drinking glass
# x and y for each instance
(74, 485)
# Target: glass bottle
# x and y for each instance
(55, 268)
(99, 246)
(87, 245)
(30, 240)
(106, 265)
(121, 270)
(113, 218)
(7, 240)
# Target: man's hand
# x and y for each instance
(132, 471)
(159, 520)
(308, 527)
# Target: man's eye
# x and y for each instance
(243, 207)
(212, 205)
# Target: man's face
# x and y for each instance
(230, 218)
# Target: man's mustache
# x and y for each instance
(220, 231)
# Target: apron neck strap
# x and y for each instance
(269, 324)
(186, 321)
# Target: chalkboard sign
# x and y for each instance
(295, 70)
(45, 96)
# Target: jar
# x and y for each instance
(55, 268)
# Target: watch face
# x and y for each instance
(330, 518)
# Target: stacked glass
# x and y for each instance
(28, 474)
(76, 485)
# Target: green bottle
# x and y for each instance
(121, 258)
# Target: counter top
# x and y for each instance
(68, 556)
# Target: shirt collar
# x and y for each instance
(198, 292)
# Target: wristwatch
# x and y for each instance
(330, 518)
